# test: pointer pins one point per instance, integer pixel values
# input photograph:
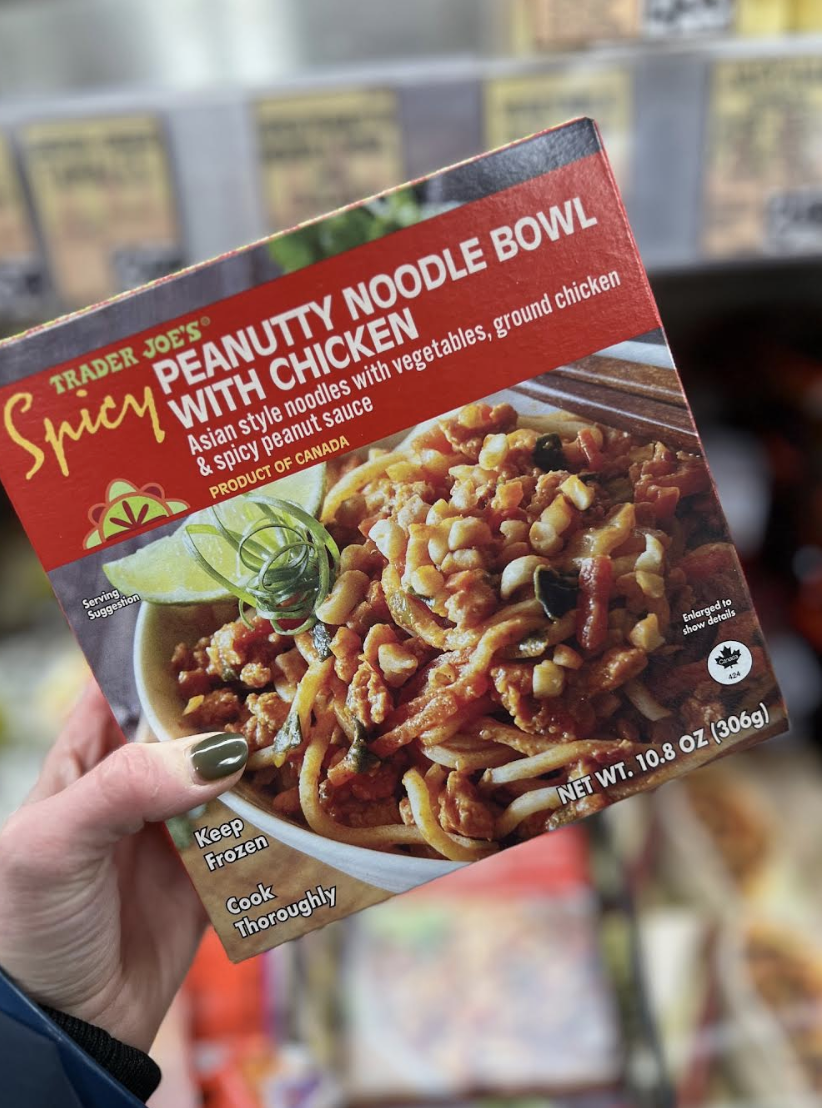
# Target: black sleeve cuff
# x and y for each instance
(131, 1067)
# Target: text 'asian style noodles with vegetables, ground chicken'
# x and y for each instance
(503, 621)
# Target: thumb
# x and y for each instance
(143, 783)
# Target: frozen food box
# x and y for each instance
(410, 496)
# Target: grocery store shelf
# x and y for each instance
(665, 120)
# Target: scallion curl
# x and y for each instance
(292, 562)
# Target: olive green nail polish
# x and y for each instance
(219, 755)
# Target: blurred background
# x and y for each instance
(668, 953)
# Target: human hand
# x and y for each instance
(98, 917)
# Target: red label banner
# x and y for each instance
(324, 360)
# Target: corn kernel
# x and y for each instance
(348, 591)
(389, 538)
(580, 494)
(468, 532)
(355, 556)
(458, 560)
(377, 636)
(509, 496)
(514, 530)
(427, 581)
(416, 553)
(414, 510)
(549, 680)
(438, 543)
(494, 451)
(518, 573)
(434, 462)
(558, 514)
(567, 657)
(464, 496)
(651, 584)
(397, 663)
(652, 557)
(475, 476)
(513, 550)
(543, 538)
(473, 416)
(523, 438)
(645, 634)
(439, 510)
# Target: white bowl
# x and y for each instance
(159, 629)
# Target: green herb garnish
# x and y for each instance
(548, 452)
(291, 558)
(428, 601)
(359, 757)
(289, 737)
(556, 592)
(322, 640)
(532, 645)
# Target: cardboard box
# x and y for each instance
(436, 445)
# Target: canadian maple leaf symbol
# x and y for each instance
(727, 657)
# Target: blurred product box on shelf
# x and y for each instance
(807, 16)
(125, 187)
(321, 152)
(679, 18)
(731, 922)
(763, 164)
(420, 511)
(753, 825)
(450, 991)
(22, 274)
(516, 106)
(104, 197)
(763, 18)
(676, 952)
(546, 25)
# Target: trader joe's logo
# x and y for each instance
(128, 508)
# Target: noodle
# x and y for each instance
(540, 800)
(466, 754)
(446, 845)
(355, 480)
(320, 822)
(435, 736)
(546, 762)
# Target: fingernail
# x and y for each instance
(219, 755)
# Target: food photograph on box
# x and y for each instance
(409, 592)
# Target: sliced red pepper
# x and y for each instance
(596, 578)
(590, 449)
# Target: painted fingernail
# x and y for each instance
(219, 755)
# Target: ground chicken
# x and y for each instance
(462, 811)
(215, 710)
(369, 699)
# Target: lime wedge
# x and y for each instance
(163, 572)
